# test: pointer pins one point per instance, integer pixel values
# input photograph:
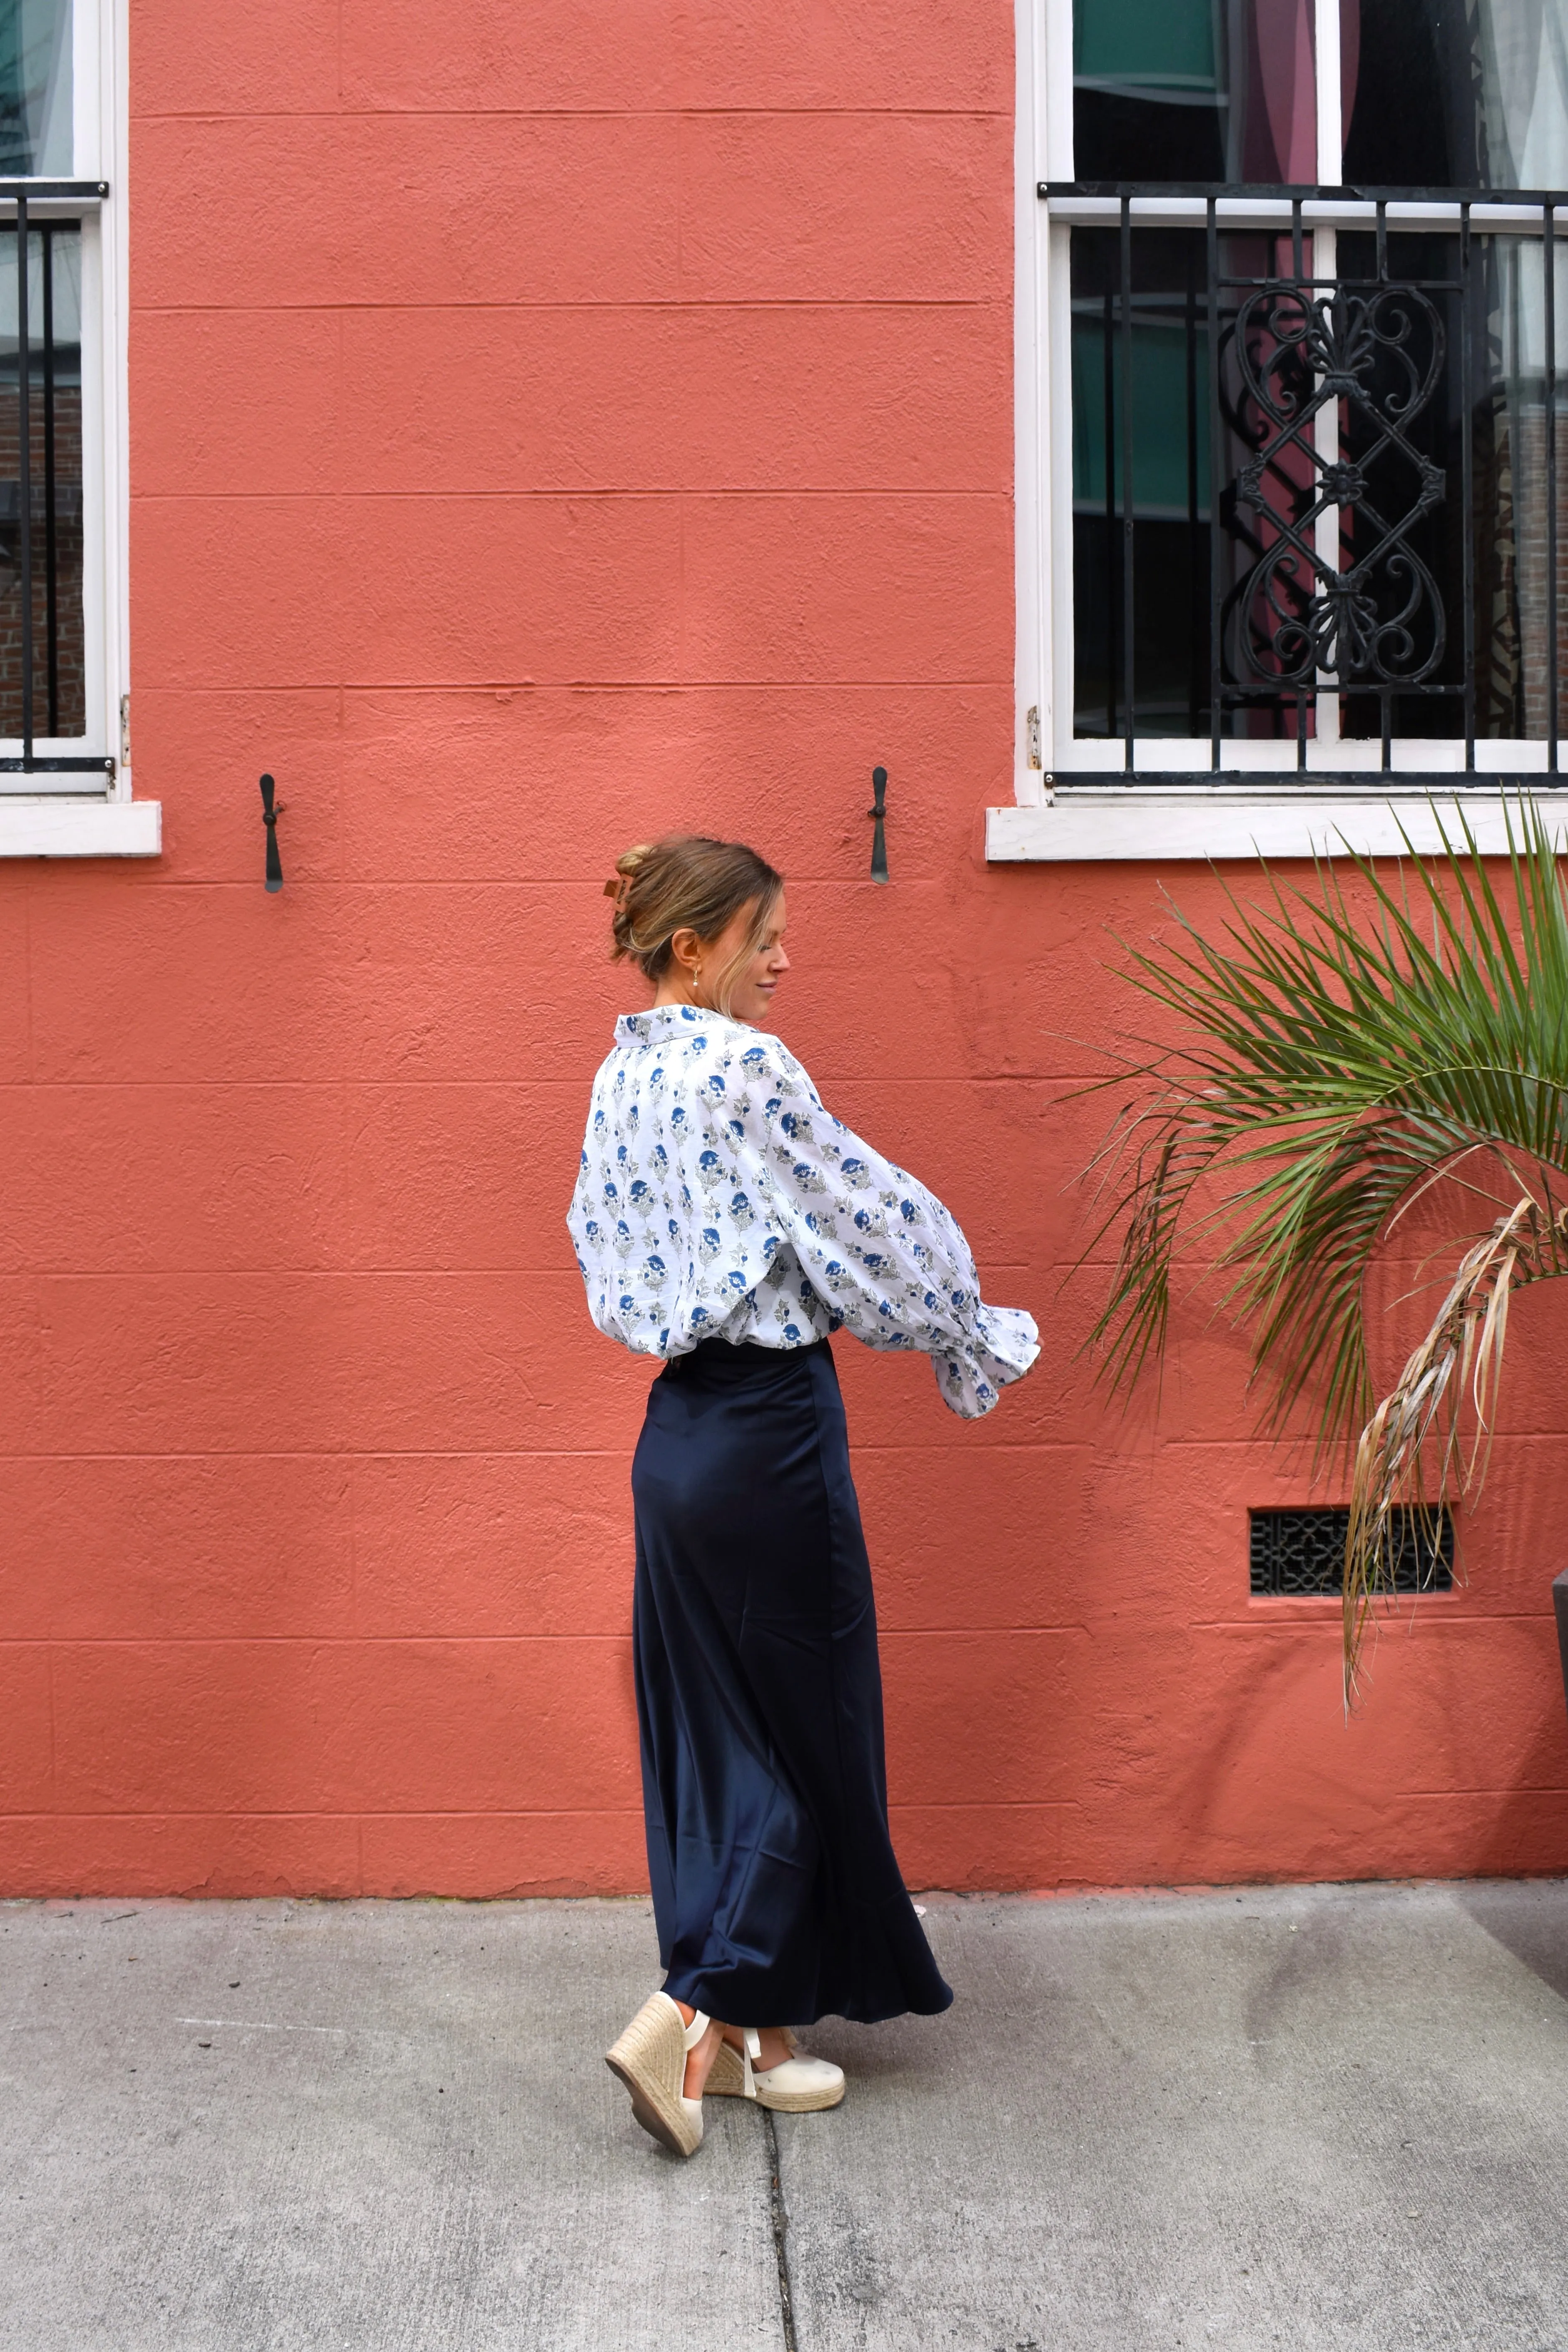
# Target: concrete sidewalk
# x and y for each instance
(1316, 2117)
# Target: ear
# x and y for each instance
(685, 947)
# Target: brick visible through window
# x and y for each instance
(59, 669)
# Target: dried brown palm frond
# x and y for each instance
(1458, 1364)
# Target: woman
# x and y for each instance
(727, 1225)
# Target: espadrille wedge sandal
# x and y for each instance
(796, 2086)
(651, 2059)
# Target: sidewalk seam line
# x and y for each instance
(780, 2217)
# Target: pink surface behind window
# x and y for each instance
(1350, 63)
(1281, 121)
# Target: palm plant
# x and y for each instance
(1343, 1049)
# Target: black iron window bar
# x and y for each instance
(1299, 625)
(22, 194)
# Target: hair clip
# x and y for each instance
(618, 889)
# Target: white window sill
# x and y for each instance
(63, 828)
(1202, 821)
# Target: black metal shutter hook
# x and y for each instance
(878, 836)
(269, 817)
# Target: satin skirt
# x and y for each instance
(759, 1692)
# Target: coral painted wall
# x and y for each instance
(552, 423)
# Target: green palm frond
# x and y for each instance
(1341, 1048)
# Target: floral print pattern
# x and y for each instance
(717, 1199)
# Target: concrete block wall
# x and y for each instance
(555, 424)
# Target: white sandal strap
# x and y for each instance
(696, 2030)
(752, 2049)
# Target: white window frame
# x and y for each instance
(1071, 799)
(73, 815)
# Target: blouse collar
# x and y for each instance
(664, 1021)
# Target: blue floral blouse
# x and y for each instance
(717, 1200)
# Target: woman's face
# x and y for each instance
(751, 994)
(695, 965)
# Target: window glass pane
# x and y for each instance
(1170, 483)
(1456, 94)
(35, 89)
(1507, 428)
(1193, 90)
(1332, 498)
(54, 424)
(1520, 405)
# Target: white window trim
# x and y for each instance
(104, 827)
(1070, 800)
(1205, 821)
(69, 821)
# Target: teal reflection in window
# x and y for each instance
(35, 89)
(1196, 89)
(1160, 50)
(1165, 481)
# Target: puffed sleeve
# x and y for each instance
(884, 1254)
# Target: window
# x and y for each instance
(1293, 477)
(62, 536)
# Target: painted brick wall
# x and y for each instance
(552, 423)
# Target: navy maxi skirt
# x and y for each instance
(760, 1701)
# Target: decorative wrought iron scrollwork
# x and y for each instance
(1297, 619)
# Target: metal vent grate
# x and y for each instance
(1304, 1552)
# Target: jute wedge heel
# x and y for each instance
(650, 2060)
(798, 2086)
